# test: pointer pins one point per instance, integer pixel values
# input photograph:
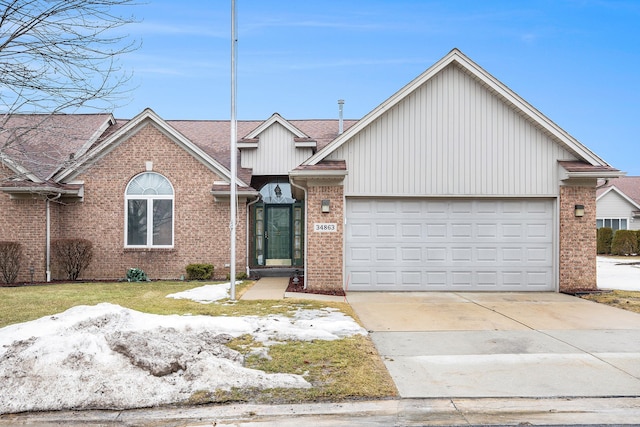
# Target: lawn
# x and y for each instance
(348, 368)
(627, 300)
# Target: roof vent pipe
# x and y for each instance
(340, 121)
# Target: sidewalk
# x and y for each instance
(275, 288)
(397, 412)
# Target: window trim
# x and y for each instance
(611, 219)
(149, 199)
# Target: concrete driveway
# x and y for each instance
(502, 344)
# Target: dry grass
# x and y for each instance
(627, 300)
(348, 368)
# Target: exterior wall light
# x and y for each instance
(579, 210)
(325, 206)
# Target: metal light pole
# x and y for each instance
(234, 166)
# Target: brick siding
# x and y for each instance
(577, 239)
(324, 257)
(201, 225)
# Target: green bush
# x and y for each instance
(625, 242)
(136, 275)
(10, 260)
(199, 271)
(239, 276)
(72, 255)
(605, 236)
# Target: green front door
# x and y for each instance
(278, 234)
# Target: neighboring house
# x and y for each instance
(453, 183)
(618, 203)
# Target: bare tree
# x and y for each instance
(60, 55)
(57, 56)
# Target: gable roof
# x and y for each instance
(36, 146)
(457, 58)
(147, 116)
(628, 187)
(276, 118)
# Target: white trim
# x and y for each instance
(273, 119)
(620, 193)
(130, 129)
(19, 169)
(89, 142)
(457, 57)
(150, 199)
(306, 144)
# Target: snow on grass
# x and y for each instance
(205, 294)
(110, 357)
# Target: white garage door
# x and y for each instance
(452, 244)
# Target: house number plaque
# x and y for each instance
(325, 227)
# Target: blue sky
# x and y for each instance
(577, 61)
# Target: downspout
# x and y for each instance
(48, 235)
(249, 228)
(306, 231)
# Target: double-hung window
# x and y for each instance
(149, 211)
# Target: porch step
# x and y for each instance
(275, 272)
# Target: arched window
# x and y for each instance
(149, 211)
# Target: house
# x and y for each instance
(618, 203)
(453, 183)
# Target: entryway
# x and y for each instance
(278, 228)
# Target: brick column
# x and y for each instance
(577, 239)
(324, 256)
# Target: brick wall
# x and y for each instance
(324, 257)
(577, 239)
(24, 221)
(201, 226)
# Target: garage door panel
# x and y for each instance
(450, 244)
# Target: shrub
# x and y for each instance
(239, 276)
(10, 260)
(136, 275)
(605, 235)
(199, 271)
(72, 255)
(625, 242)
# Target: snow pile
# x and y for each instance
(205, 294)
(617, 273)
(110, 357)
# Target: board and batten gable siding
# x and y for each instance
(276, 153)
(452, 136)
(613, 205)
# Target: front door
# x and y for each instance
(277, 234)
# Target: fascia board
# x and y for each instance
(621, 194)
(39, 190)
(603, 174)
(85, 147)
(273, 119)
(15, 167)
(110, 121)
(247, 145)
(456, 56)
(306, 144)
(607, 191)
(318, 173)
(131, 128)
(380, 110)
